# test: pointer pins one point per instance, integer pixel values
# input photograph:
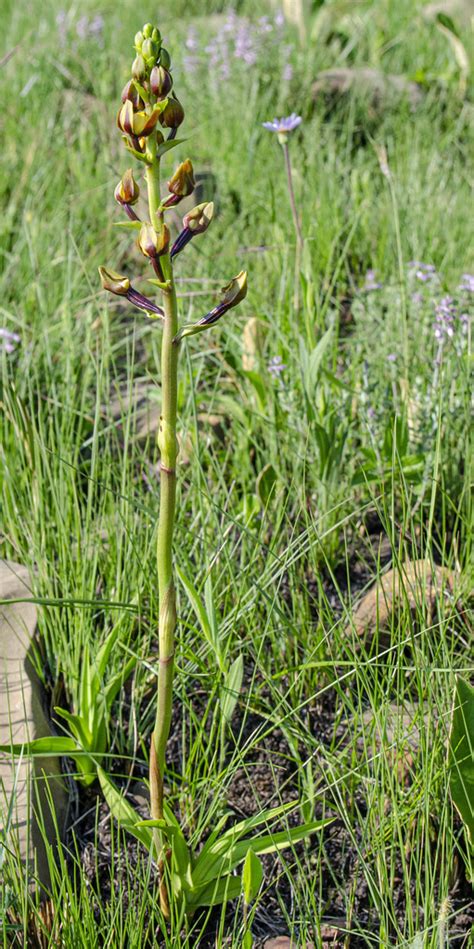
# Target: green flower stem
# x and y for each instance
(168, 453)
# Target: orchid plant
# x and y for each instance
(199, 874)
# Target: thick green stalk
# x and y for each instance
(168, 452)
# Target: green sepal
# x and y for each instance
(167, 146)
(133, 151)
(141, 91)
(129, 225)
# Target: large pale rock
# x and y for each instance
(27, 786)
(377, 86)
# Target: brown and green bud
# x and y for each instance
(127, 191)
(139, 124)
(139, 70)
(182, 182)
(232, 294)
(120, 285)
(130, 92)
(172, 115)
(161, 82)
(195, 222)
(153, 243)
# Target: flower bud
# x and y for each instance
(127, 190)
(182, 182)
(195, 222)
(139, 68)
(121, 286)
(172, 115)
(114, 282)
(150, 52)
(138, 40)
(147, 30)
(125, 118)
(153, 243)
(130, 92)
(156, 36)
(165, 58)
(199, 218)
(161, 82)
(232, 294)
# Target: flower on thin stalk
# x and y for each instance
(194, 222)
(120, 285)
(153, 243)
(232, 294)
(283, 127)
(8, 341)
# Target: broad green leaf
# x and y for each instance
(78, 728)
(49, 745)
(244, 826)
(231, 688)
(224, 855)
(461, 754)
(252, 876)
(123, 812)
(211, 611)
(217, 892)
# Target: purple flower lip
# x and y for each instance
(285, 125)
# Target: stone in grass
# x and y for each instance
(28, 785)
(415, 583)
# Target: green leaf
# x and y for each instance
(115, 684)
(461, 754)
(225, 855)
(78, 728)
(208, 624)
(231, 688)
(244, 826)
(252, 876)
(167, 146)
(265, 484)
(123, 812)
(217, 892)
(49, 745)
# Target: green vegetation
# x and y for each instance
(324, 432)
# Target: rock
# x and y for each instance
(25, 785)
(284, 942)
(395, 732)
(412, 584)
(378, 86)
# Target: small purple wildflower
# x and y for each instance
(445, 314)
(467, 282)
(392, 357)
(8, 341)
(417, 298)
(423, 272)
(276, 366)
(371, 283)
(285, 125)
(287, 73)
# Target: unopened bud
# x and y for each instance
(127, 190)
(165, 58)
(161, 82)
(139, 68)
(150, 52)
(156, 36)
(153, 243)
(114, 282)
(172, 115)
(195, 222)
(147, 30)
(199, 218)
(138, 40)
(182, 182)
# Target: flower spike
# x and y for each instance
(120, 285)
(232, 294)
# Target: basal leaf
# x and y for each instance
(461, 754)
